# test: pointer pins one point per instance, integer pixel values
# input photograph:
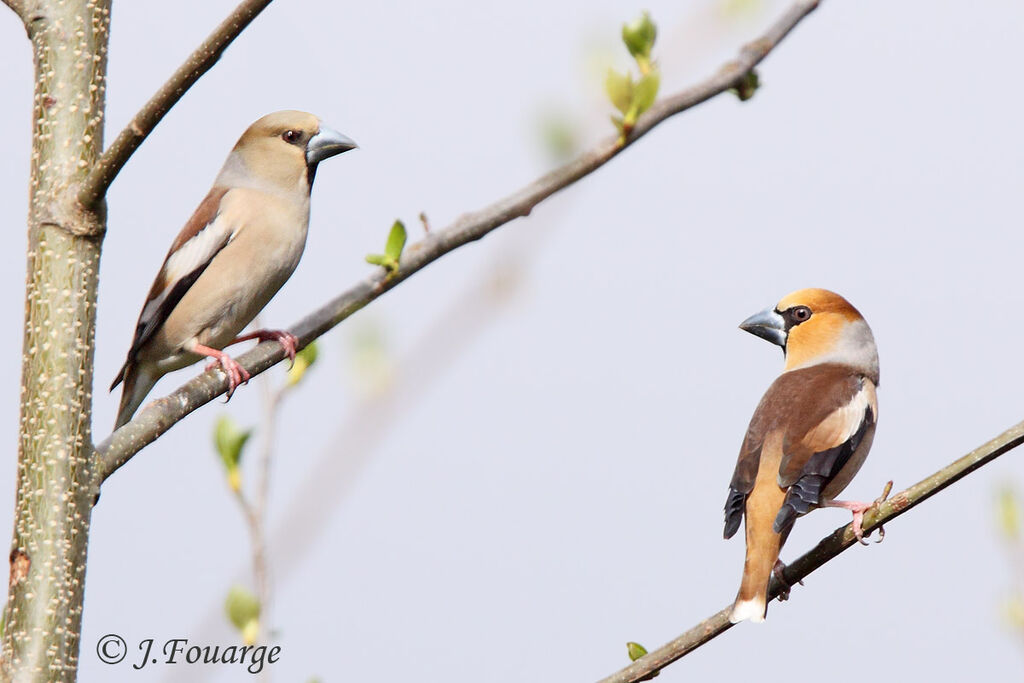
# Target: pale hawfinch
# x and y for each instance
(237, 250)
(809, 435)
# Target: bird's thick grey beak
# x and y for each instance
(767, 325)
(326, 144)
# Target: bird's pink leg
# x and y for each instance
(288, 341)
(858, 509)
(235, 372)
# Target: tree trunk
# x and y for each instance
(57, 474)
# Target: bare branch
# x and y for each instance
(161, 415)
(147, 118)
(828, 548)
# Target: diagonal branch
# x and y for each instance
(161, 415)
(828, 548)
(147, 118)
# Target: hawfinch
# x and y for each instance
(809, 435)
(237, 250)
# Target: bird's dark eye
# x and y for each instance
(800, 314)
(291, 136)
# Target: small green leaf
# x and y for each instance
(396, 242)
(229, 440)
(747, 85)
(392, 250)
(629, 120)
(242, 607)
(304, 359)
(646, 91)
(635, 650)
(620, 89)
(639, 36)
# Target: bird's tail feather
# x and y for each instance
(121, 374)
(752, 599)
(137, 385)
(763, 546)
(754, 609)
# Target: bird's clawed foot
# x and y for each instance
(858, 509)
(236, 373)
(288, 341)
(777, 572)
(878, 501)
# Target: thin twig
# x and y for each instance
(162, 414)
(254, 508)
(254, 521)
(146, 119)
(828, 548)
(260, 569)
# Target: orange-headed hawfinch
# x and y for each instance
(237, 250)
(809, 435)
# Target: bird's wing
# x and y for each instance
(824, 411)
(749, 460)
(203, 237)
(824, 433)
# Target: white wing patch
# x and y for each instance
(197, 251)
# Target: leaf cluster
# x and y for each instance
(630, 95)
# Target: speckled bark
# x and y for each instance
(56, 466)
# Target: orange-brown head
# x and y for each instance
(817, 326)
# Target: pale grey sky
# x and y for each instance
(546, 480)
